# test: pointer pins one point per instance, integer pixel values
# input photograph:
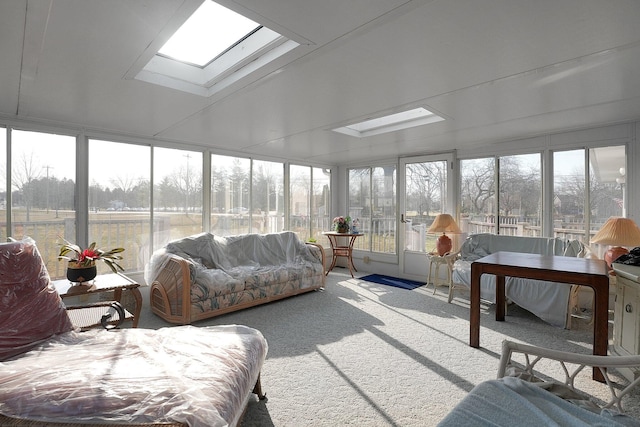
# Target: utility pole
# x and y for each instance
(47, 167)
(187, 186)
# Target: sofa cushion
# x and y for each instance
(264, 276)
(213, 282)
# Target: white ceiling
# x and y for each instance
(495, 69)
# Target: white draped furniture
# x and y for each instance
(548, 301)
(53, 375)
(205, 275)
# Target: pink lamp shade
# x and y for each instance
(444, 223)
(617, 232)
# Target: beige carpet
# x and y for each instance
(364, 354)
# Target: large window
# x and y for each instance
(115, 191)
(119, 194)
(589, 187)
(300, 200)
(320, 204)
(515, 208)
(267, 197)
(309, 202)
(520, 197)
(477, 195)
(230, 187)
(372, 200)
(43, 189)
(177, 194)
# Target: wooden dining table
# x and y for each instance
(559, 269)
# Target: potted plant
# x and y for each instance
(341, 224)
(81, 266)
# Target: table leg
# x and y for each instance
(350, 263)
(600, 324)
(500, 298)
(474, 309)
(136, 313)
(333, 262)
(436, 277)
(352, 240)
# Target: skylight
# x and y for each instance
(210, 31)
(393, 122)
(213, 49)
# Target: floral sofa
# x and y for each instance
(205, 275)
(549, 301)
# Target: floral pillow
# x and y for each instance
(30, 308)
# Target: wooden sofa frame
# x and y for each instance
(173, 283)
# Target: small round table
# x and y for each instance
(436, 261)
(342, 248)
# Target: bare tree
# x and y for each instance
(425, 186)
(187, 182)
(604, 198)
(125, 184)
(520, 187)
(27, 170)
(478, 185)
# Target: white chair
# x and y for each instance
(572, 364)
(522, 396)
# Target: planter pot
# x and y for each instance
(79, 274)
(344, 229)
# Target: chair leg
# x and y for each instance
(451, 288)
(257, 389)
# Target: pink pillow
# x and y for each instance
(30, 308)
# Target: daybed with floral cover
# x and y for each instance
(51, 374)
(205, 275)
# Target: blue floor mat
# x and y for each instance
(392, 281)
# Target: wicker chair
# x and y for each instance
(572, 364)
(523, 395)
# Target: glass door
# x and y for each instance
(426, 191)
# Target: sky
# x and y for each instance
(55, 155)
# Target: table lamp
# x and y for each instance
(442, 224)
(617, 232)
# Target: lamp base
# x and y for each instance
(443, 245)
(613, 253)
